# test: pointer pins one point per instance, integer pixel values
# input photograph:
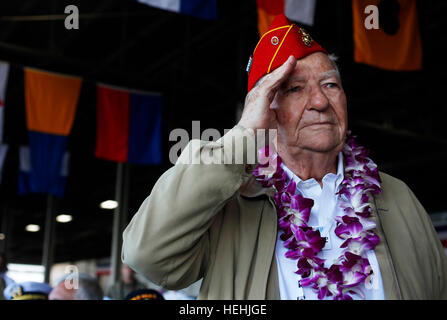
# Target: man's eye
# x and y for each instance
(331, 85)
(294, 89)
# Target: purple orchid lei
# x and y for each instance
(341, 279)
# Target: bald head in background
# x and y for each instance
(85, 288)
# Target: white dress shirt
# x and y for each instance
(322, 215)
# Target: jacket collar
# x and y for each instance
(250, 188)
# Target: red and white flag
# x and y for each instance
(301, 11)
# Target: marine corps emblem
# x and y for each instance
(306, 38)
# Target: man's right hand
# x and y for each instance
(258, 112)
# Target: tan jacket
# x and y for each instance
(214, 221)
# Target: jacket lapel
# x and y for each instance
(268, 283)
(382, 251)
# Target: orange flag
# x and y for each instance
(267, 11)
(51, 101)
(396, 45)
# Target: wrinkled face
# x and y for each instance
(311, 107)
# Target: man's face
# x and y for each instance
(311, 107)
(127, 273)
(60, 292)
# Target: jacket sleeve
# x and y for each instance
(440, 258)
(167, 240)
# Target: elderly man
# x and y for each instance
(313, 220)
(79, 287)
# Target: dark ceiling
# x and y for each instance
(199, 67)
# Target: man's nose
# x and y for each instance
(318, 99)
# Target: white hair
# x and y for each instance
(89, 288)
(334, 59)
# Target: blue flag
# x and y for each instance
(145, 129)
(37, 163)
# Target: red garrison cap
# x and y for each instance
(282, 40)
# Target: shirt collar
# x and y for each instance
(328, 178)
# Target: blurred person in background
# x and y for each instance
(29, 290)
(79, 286)
(4, 269)
(127, 284)
(2, 287)
(145, 294)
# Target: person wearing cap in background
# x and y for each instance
(29, 290)
(79, 286)
(127, 283)
(314, 219)
(144, 294)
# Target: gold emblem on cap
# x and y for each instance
(306, 38)
(275, 40)
(17, 291)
